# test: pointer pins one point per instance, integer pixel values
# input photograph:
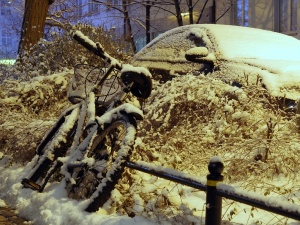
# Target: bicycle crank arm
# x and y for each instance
(27, 183)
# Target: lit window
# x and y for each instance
(283, 15)
(140, 43)
(294, 25)
(5, 7)
(6, 38)
(113, 3)
(117, 2)
(79, 8)
(242, 17)
(93, 7)
(288, 15)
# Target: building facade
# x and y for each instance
(9, 29)
(276, 15)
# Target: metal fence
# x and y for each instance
(215, 192)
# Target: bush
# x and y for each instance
(48, 57)
(3, 72)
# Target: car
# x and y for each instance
(236, 55)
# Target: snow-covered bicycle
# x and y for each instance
(92, 140)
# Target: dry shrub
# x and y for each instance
(187, 121)
(61, 52)
(28, 109)
(33, 92)
(200, 117)
(191, 119)
(20, 135)
(5, 71)
(160, 200)
(35, 88)
(43, 95)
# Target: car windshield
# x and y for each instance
(240, 42)
(171, 47)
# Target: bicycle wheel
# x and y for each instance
(109, 150)
(55, 144)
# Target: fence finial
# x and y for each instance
(213, 201)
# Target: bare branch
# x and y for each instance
(202, 10)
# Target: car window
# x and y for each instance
(172, 47)
(195, 39)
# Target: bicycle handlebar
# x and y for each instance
(95, 48)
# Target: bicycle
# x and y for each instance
(92, 140)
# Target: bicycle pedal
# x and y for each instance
(27, 183)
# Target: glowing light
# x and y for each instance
(184, 14)
(7, 61)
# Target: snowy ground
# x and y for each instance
(54, 207)
(198, 118)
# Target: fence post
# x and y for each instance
(213, 201)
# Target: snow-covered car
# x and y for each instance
(236, 55)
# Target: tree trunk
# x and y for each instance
(127, 19)
(148, 7)
(33, 23)
(124, 28)
(191, 16)
(213, 17)
(178, 12)
(200, 16)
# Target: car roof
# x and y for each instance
(231, 42)
(245, 42)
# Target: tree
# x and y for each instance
(122, 9)
(128, 24)
(147, 18)
(148, 35)
(33, 22)
(178, 12)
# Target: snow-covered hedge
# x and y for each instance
(187, 121)
(60, 52)
(190, 119)
(28, 109)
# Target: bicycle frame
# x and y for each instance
(69, 144)
(83, 117)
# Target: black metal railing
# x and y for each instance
(215, 192)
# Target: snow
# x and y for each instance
(237, 51)
(126, 107)
(279, 202)
(138, 70)
(199, 51)
(54, 207)
(216, 159)
(242, 42)
(186, 122)
(2, 203)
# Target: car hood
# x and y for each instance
(281, 78)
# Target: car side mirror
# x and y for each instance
(198, 54)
